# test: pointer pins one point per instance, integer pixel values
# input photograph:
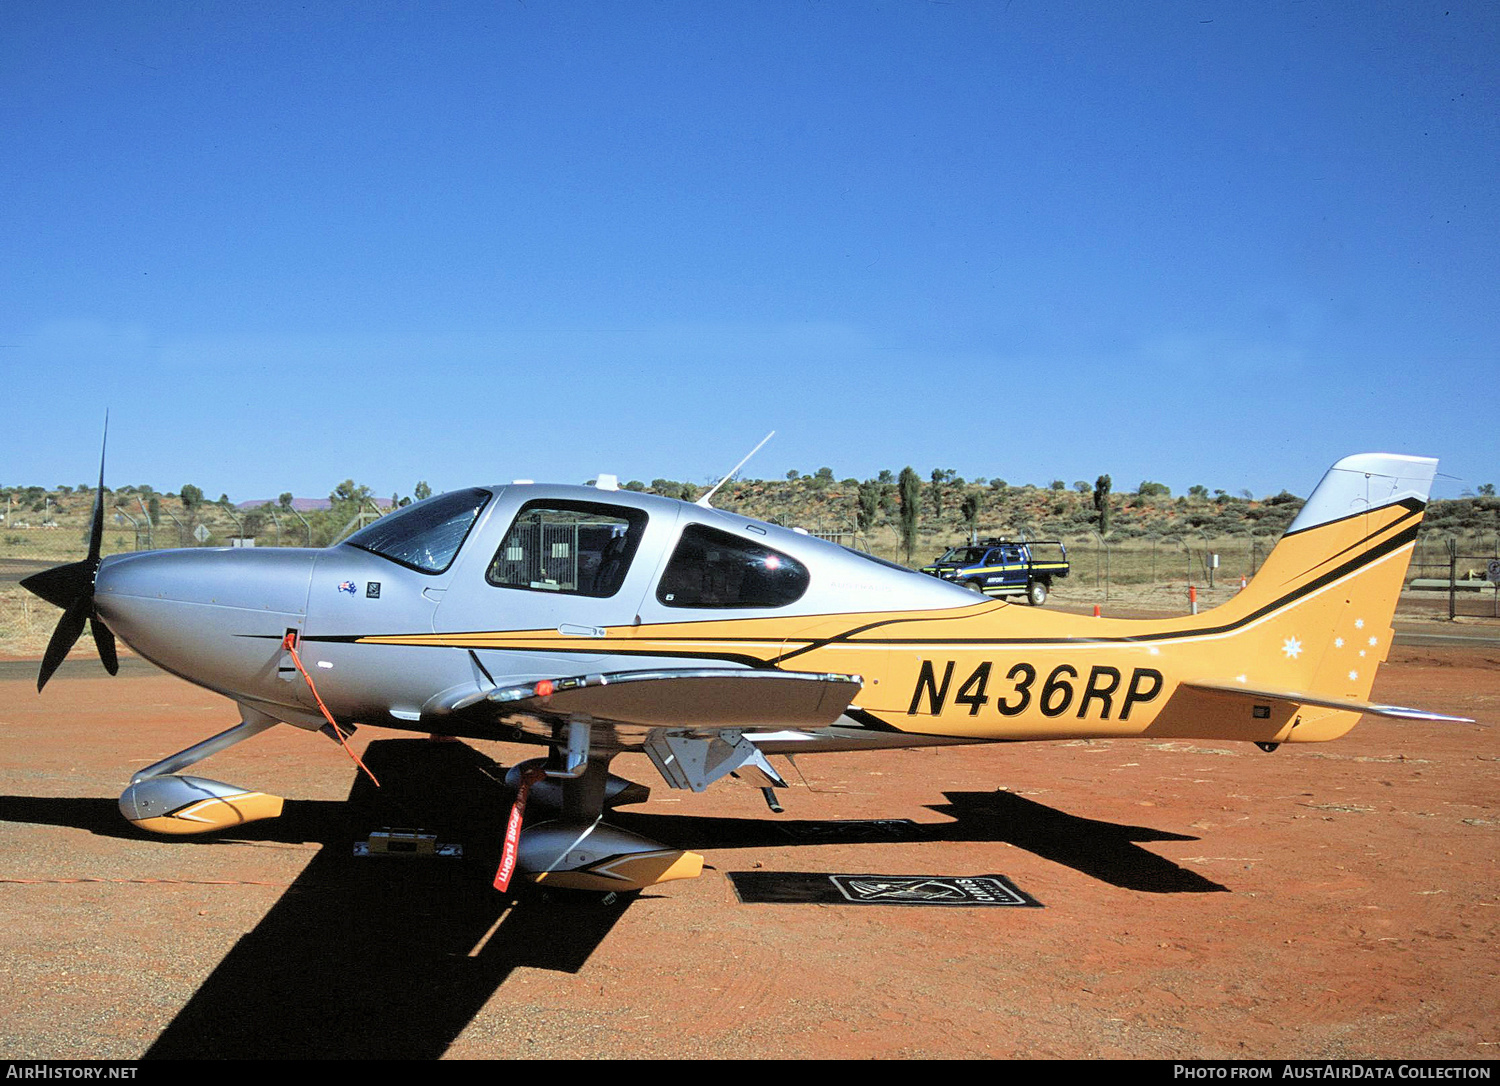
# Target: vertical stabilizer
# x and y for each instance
(1318, 613)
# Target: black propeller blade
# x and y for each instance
(71, 587)
(69, 628)
(61, 585)
(104, 641)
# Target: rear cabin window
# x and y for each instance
(711, 568)
(427, 535)
(577, 548)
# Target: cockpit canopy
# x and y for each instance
(573, 542)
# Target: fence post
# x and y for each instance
(239, 524)
(1104, 550)
(150, 535)
(120, 512)
(1452, 578)
(306, 525)
(181, 536)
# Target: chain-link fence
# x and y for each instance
(1197, 560)
(1459, 574)
(54, 537)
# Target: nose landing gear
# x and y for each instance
(161, 801)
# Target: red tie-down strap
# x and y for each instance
(289, 642)
(507, 866)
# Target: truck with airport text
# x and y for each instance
(1004, 567)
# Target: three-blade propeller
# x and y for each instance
(71, 587)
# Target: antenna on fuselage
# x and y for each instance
(703, 501)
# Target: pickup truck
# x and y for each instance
(1003, 567)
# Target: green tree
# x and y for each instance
(422, 491)
(191, 496)
(909, 493)
(349, 491)
(969, 510)
(1101, 501)
(1148, 489)
(868, 506)
(285, 501)
(937, 493)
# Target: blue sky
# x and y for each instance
(286, 244)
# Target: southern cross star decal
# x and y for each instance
(1292, 647)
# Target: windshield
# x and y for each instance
(963, 556)
(427, 535)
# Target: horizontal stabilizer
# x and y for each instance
(694, 699)
(1291, 697)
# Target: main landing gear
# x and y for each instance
(578, 850)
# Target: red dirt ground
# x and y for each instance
(1202, 899)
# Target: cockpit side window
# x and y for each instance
(576, 548)
(425, 536)
(711, 568)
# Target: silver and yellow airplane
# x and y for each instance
(594, 621)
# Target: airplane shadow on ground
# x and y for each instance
(1102, 850)
(387, 958)
(370, 958)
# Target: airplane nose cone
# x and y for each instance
(249, 579)
(213, 616)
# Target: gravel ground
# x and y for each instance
(1201, 899)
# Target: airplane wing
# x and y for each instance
(1292, 698)
(699, 701)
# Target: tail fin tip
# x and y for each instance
(1366, 481)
